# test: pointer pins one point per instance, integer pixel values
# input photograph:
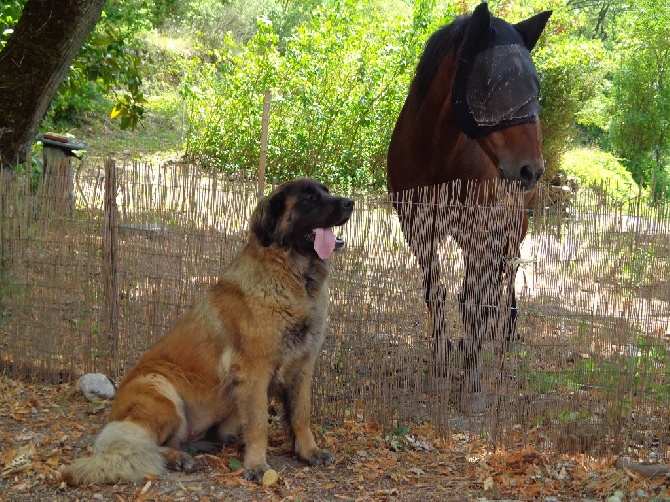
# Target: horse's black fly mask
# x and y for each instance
(496, 84)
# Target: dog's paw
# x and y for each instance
(319, 457)
(177, 460)
(255, 473)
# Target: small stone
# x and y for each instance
(616, 497)
(95, 386)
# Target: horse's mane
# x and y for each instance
(443, 41)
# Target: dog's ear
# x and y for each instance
(265, 218)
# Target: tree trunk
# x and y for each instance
(33, 64)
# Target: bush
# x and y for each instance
(571, 72)
(640, 130)
(602, 172)
(338, 84)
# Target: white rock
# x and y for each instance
(95, 386)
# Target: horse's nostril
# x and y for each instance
(526, 175)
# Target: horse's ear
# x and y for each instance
(480, 26)
(532, 28)
(482, 17)
(265, 218)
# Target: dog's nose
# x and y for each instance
(347, 203)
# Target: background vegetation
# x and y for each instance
(189, 76)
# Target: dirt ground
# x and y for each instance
(44, 427)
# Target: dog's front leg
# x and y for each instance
(252, 403)
(298, 403)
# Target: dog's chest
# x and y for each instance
(306, 316)
(301, 336)
(300, 342)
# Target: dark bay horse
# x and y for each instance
(470, 118)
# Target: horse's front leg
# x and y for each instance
(510, 268)
(515, 234)
(441, 344)
(511, 311)
(480, 303)
(472, 398)
(489, 313)
(420, 230)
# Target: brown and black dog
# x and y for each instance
(255, 335)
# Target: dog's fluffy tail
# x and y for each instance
(124, 451)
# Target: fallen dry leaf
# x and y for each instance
(20, 461)
(53, 459)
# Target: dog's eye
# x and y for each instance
(310, 197)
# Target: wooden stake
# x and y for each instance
(110, 271)
(264, 143)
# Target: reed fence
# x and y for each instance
(89, 289)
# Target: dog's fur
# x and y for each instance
(255, 335)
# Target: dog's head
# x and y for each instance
(299, 215)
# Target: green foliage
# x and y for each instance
(109, 64)
(338, 86)
(235, 464)
(396, 438)
(571, 71)
(288, 14)
(644, 369)
(130, 16)
(339, 72)
(10, 11)
(35, 170)
(640, 130)
(206, 22)
(601, 171)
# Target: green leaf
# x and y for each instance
(235, 465)
(400, 431)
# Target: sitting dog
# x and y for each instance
(255, 335)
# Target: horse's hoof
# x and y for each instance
(473, 402)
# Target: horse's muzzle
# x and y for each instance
(527, 174)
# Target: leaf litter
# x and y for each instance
(44, 427)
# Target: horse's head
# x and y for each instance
(495, 93)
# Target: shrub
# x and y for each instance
(571, 72)
(338, 83)
(603, 173)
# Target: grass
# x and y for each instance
(158, 138)
(646, 367)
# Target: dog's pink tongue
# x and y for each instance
(324, 242)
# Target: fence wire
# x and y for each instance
(587, 374)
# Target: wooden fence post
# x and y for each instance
(110, 271)
(264, 143)
(56, 186)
